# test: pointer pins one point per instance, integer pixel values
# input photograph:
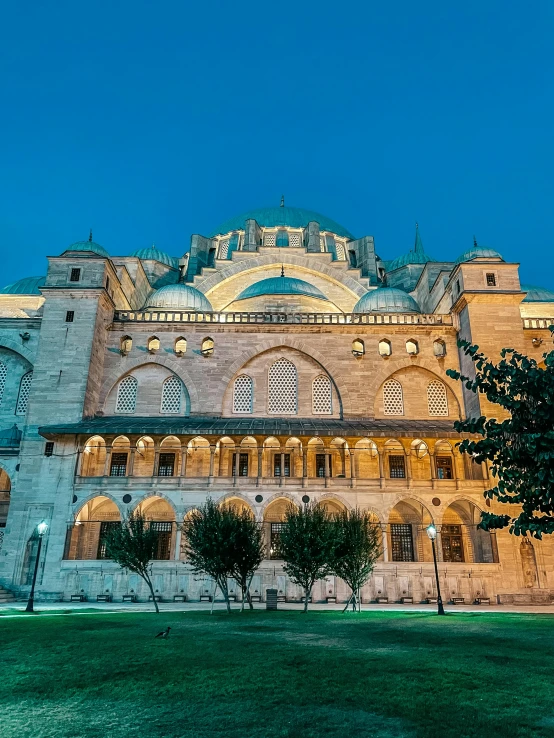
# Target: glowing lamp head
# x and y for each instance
(42, 528)
(432, 532)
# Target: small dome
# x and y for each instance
(281, 286)
(386, 300)
(478, 252)
(416, 255)
(89, 245)
(537, 294)
(157, 255)
(282, 216)
(178, 297)
(25, 286)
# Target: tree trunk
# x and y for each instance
(248, 593)
(307, 593)
(149, 583)
(213, 598)
(223, 587)
(348, 602)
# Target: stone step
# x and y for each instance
(7, 597)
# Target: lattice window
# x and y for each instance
(321, 243)
(294, 240)
(341, 252)
(242, 394)
(283, 383)
(393, 401)
(127, 395)
(3, 375)
(223, 249)
(321, 396)
(436, 398)
(24, 389)
(269, 239)
(172, 392)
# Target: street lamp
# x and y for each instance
(432, 533)
(41, 528)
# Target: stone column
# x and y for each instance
(178, 542)
(184, 455)
(381, 467)
(433, 469)
(455, 469)
(236, 465)
(131, 465)
(212, 462)
(156, 458)
(385, 544)
(304, 466)
(408, 468)
(282, 479)
(260, 467)
(353, 476)
(327, 452)
(108, 462)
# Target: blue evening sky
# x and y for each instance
(151, 121)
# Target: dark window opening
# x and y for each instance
(49, 448)
(69, 316)
(444, 467)
(491, 279)
(277, 465)
(163, 546)
(458, 287)
(452, 543)
(166, 465)
(211, 258)
(275, 537)
(397, 466)
(75, 275)
(118, 467)
(353, 259)
(107, 283)
(320, 465)
(243, 465)
(105, 527)
(402, 542)
(473, 470)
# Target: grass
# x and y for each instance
(262, 674)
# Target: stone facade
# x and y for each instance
(262, 403)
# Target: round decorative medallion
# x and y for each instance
(127, 499)
(305, 499)
(436, 501)
(259, 498)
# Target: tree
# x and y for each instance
(133, 545)
(520, 449)
(306, 544)
(249, 552)
(358, 545)
(210, 539)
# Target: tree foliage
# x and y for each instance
(133, 545)
(306, 544)
(358, 545)
(520, 449)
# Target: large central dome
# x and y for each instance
(282, 216)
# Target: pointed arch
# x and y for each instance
(282, 395)
(393, 398)
(243, 394)
(172, 395)
(322, 395)
(437, 400)
(127, 395)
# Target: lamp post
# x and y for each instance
(432, 533)
(41, 528)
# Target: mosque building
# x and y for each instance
(279, 361)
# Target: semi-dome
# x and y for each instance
(89, 245)
(478, 252)
(282, 216)
(155, 254)
(281, 286)
(537, 294)
(25, 286)
(386, 300)
(178, 297)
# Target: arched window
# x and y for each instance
(341, 251)
(223, 249)
(439, 348)
(125, 345)
(23, 397)
(412, 347)
(393, 400)
(436, 398)
(358, 347)
(153, 344)
(242, 394)
(283, 383)
(282, 238)
(127, 395)
(3, 375)
(322, 396)
(172, 393)
(180, 346)
(385, 348)
(207, 347)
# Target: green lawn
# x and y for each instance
(260, 675)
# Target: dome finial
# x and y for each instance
(282, 270)
(282, 201)
(90, 235)
(418, 246)
(475, 242)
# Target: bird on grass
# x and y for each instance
(163, 633)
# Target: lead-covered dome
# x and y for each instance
(157, 255)
(282, 216)
(537, 294)
(178, 297)
(281, 286)
(386, 300)
(89, 245)
(478, 252)
(25, 286)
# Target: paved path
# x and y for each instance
(15, 609)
